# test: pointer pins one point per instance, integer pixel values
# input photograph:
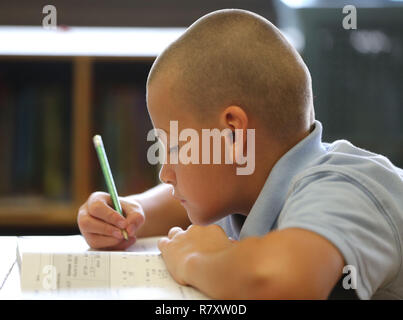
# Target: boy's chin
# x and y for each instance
(202, 219)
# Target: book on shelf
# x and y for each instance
(35, 129)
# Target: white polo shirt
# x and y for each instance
(350, 196)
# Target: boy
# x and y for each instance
(287, 230)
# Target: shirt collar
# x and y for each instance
(270, 201)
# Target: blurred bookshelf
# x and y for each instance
(57, 89)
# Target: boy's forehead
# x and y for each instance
(167, 103)
(164, 107)
(160, 97)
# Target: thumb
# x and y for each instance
(134, 215)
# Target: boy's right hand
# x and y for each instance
(102, 226)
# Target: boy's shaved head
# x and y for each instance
(235, 57)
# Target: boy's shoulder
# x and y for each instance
(355, 164)
(352, 197)
(355, 180)
(343, 152)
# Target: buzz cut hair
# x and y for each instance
(236, 57)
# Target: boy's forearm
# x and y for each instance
(162, 211)
(229, 274)
(288, 264)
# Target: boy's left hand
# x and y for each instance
(181, 245)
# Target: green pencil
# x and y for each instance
(110, 184)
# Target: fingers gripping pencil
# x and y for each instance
(106, 170)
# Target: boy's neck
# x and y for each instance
(269, 155)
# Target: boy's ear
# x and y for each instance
(234, 117)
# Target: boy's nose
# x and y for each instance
(167, 175)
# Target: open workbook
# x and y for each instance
(66, 265)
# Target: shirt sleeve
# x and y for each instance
(346, 213)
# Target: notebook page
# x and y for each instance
(138, 273)
(76, 243)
